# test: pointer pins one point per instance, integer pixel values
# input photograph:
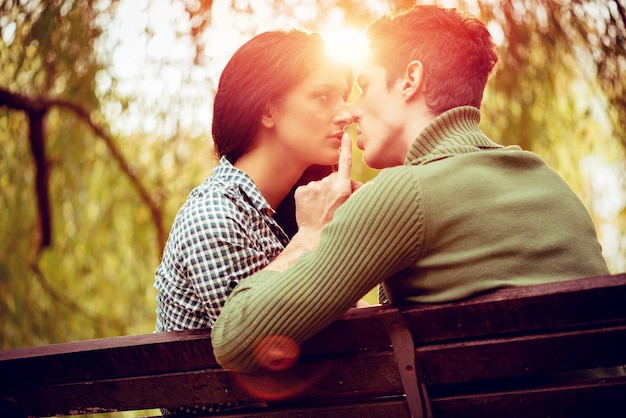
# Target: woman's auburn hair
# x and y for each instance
(261, 72)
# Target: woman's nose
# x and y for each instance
(344, 117)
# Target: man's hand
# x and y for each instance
(317, 201)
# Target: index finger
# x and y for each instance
(345, 157)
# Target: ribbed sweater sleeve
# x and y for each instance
(376, 233)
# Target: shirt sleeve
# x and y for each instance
(376, 233)
(218, 252)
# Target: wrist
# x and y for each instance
(306, 238)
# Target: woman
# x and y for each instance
(280, 109)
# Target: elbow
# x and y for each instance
(227, 360)
(228, 351)
(272, 353)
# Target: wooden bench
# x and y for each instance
(515, 352)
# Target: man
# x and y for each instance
(450, 215)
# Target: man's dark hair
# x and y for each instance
(457, 53)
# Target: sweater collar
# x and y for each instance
(453, 132)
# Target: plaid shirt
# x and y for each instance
(223, 233)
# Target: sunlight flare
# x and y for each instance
(346, 44)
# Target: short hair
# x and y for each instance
(456, 51)
(260, 72)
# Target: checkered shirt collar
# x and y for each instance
(230, 176)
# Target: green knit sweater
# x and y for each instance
(462, 216)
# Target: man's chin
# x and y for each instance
(369, 161)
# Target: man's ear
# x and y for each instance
(412, 79)
(267, 118)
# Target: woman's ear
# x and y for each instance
(412, 79)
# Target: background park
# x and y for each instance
(105, 112)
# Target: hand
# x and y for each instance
(315, 206)
(317, 201)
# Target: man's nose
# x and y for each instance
(356, 113)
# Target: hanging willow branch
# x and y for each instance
(36, 110)
(61, 298)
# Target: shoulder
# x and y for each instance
(211, 209)
(394, 181)
(213, 199)
(392, 191)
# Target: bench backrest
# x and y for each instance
(531, 351)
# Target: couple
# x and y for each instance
(450, 215)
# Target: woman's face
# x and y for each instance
(309, 121)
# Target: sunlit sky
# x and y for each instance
(159, 67)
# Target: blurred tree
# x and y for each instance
(66, 259)
(100, 145)
(560, 90)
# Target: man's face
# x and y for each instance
(379, 112)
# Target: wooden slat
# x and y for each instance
(332, 380)
(358, 329)
(390, 407)
(523, 356)
(600, 398)
(546, 306)
(156, 353)
(107, 358)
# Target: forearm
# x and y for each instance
(292, 305)
(304, 241)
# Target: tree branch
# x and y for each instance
(117, 155)
(42, 180)
(36, 109)
(61, 298)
